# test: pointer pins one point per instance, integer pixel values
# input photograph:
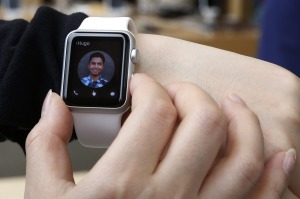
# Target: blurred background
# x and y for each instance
(232, 25)
(227, 24)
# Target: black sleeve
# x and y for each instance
(31, 55)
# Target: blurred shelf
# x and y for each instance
(243, 41)
(239, 40)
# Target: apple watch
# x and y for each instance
(99, 60)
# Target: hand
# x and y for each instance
(270, 91)
(167, 148)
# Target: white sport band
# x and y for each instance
(100, 129)
(96, 130)
(108, 23)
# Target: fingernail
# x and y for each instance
(289, 161)
(46, 103)
(237, 99)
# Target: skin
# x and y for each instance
(96, 66)
(177, 152)
(270, 91)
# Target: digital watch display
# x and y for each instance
(109, 88)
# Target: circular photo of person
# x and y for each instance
(96, 69)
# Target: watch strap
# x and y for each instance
(96, 130)
(108, 23)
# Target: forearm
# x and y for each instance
(272, 92)
(219, 72)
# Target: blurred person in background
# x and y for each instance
(280, 40)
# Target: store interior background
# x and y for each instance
(227, 24)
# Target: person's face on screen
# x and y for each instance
(96, 66)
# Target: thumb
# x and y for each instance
(48, 165)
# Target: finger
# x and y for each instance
(48, 165)
(145, 133)
(274, 180)
(288, 194)
(196, 141)
(240, 168)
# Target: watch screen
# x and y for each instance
(97, 70)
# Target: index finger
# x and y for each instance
(196, 141)
(242, 163)
(138, 147)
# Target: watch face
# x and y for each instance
(96, 69)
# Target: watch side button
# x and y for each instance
(134, 56)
